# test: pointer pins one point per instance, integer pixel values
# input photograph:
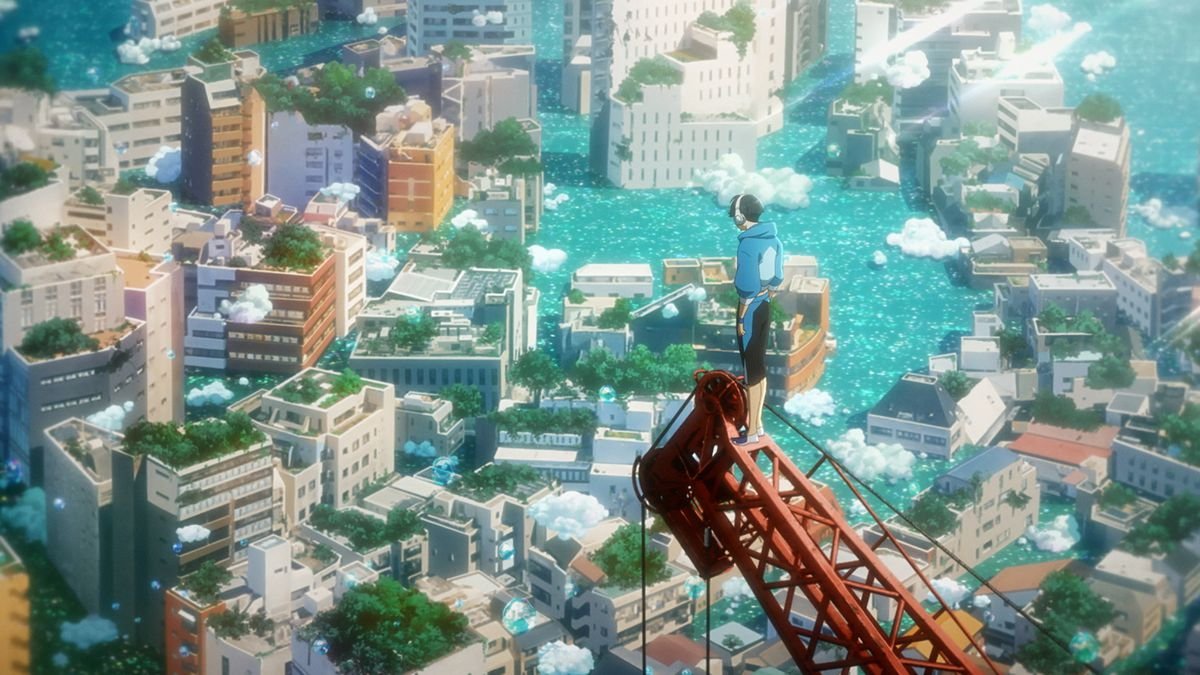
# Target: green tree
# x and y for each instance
(303, 390)
(336, 95)
(1065, 606)
(732, 643)
(262, 625)
(90, 196)
(346, 383)
(20, 237)
(26, 68)
(1110, 372)
(931, 513)
(538, 421)
(465, 401)
(1183, 429)
(1013, 347)
(23, 177)
(538, 372)
(507, 140)
(294, 246)
(867, 93)
(651, 71)
(493, 479)
(383, 627)
(206, 582)
(1060, 411)
(492, 334)
(56, 248)
(56, 336)
(576, 297)
(1170, 261)
(457, 50)
(1098, 107)
(1171, 523)
(738, 20)
(232, 624)
(213, 52)
(413, 334)
(1116, 496)
(620, 558)
(956, 383)
(617, 316)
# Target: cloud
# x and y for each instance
(27, 33)
(570, 514)
(982, 601)
(495, 18)
(670, 311)
(560, 658)
(7, 6)
(244, 381)
(422, 449)
(469, 217)
(1159, 215)
(111, 418)
(1098, 63)
(879, 258)
(368, 17)
(252, 306)
(138, 53)
(254, 158)
(547, 260)
(812, 406)
(213, 393)
(697, 294)
(552, 203)
(889, 461)
(27, 514)
(344, 192)
(548, 189)
(736, 588)
(780, 187)
(909, 70)
(1057, 537)
(1048, 20)
(166, 165)
(88, 632)
(190, 534)
(922, 238)
(381, 266)
(479, 20)
(950, 589)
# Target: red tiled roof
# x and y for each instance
(1025, 577)
(1100, 438)
(668, 649)
(1055, 450)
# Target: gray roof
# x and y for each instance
(475, 283)
(657, 305)
(918, 398)
(985, 464)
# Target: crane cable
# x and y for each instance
(825, 456)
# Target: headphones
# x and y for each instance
(739, 218)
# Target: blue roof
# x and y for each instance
(984, 464)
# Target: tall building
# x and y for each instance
(1150, 295)
(409, 166)
(420, 76)
(474, 22)
(875, 24)
(1098, 169)
(154, 295)
(138, 114)
(485, 93)
(157, 19)
(978, 79)
(241, 27)
(129, 219)
(14, 622)
(807, 26)
(303, 158)
(224, 144)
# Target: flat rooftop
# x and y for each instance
(1083, 281)
(1097, 143)
(138, 269)
(614, 270)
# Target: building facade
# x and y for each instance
(303, 158)
(502, 22)
(240, 28)
(14, 624)
(1098, 169)
(159, 18)
(409, 166)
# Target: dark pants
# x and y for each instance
(753, 343)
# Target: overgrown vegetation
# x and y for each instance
(1113, 370)
(956, 383)
(538, 372)
(293, 246)
(213, 52)
(1065, 606)
(620, 558)
(90, 196)
(304, 391)
(1016, 500)
(738, 20)
(467, 247)
(647, 72)
(982, 201)
(1098, 107)
(236, 623)
(576, 297)
(457, 50)
(26, 68)
(413, 333)
(56, 337)
(20, 237)
(866, 93)
(1060, 411)
(181, 446)
(1183, 430)
(493, 479)
(336, 95)
(640, 373)
(492, 334)
(969, 153)
(205, 583)
(538, 421)
(617, 316)
(1078, 216)
(1170, 524)
(383, 627)
(465, 401)
(345, 383)
(1116, 496)
(930, 512)
(506, 146)
(366, 532)
(23, 177)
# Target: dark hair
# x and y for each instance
(750, 206)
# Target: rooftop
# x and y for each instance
(154, 80)
(984, 464)
(1055, 450)
(83, 245)
(140, 270)
(89, 445)
(614, 270)
(1098, 142)
(969, 623)
(1083, 281)
(918, 398)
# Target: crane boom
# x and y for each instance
(790, 542)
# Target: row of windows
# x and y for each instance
(264, 357)
(908, 435)
(70, 403)
(259, 337)
(66, 377)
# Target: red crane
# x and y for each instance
(750, 506)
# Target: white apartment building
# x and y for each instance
(1149, 295)
(506, 203)
(1139, 463)
(1026, 127)
(436, 22)
(978, 78)
(130, 221)
(633, 280)
(875, 24)
(918, 414)
(424, 417)
(576, 89)
(303, 158)
(154, 294)
(1074, 293)
(1098, 169)
(487, 93)
(159, 18)
(138, 114)
(351, 436)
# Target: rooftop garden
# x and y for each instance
(1183, 430)
(1060, 411)
(538, 372)
(457, 50)
(365, 532)
(738, 20)
(23, 177)
(213, 52)
(867, 93)
(465, 401)
(983, 129)
(640, 373)
(56, 337)
(506, 146)
(986, 202)
(336, 95)
(205, 583)
(1116, 496)
(345, 383)
(1098, 107)
(1066, 605)
(304, 391)
(236, 623)
(26, 68)
(617, 316)
(931, 511)
(467, 247)
(1171, 523)
(538, 421)
(956, 383)
(495, 479)
(294, 246)
(576, 297)
(647, 71)
(1113, 370)
(383, 627)
(307, 390)
(413, 333)
(620, 555)
(969, 153)
(194, 442)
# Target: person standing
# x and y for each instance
(757, 279)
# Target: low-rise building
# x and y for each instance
(1144, 597)
(426, 418)
(1065, 459)
(1141, 460)
(1075, 293)
(1150, 295)
(137, 115)
(857, 134)
(614, 281)
(243, 24)
(1098, 169)
(1021, 585)
(979, 78)
(918, 414)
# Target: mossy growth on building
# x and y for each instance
(56, 337)
(366, 532)
(213, 52)
(738, 20)
(620, 558)
(866, 93)
(653, 71)
(1098, 107)
(495, 479)
(294, 246)
(194, 442)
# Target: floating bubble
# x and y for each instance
(607, 393)
(60, 503)
(458, 604)
(320, 646)
(694, 586)
(154, 585)
(122, 148)
(274, 124)
(167, 257)
(443, 469)
(116, 606)
(137, 619)
(243, 543)
(369, 92)
(350, 581)
(1085, 647)
(184, 651)
(518, 616)
(507, 550)
(170, 353)
(177, 548)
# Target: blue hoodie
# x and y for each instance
(759, 261)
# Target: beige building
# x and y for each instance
(158, 18)
(349, 434)
(137, 220)
(425, 417)
(138, 114)
(14, 623)
(154, 294)
(1143, 596)
(1098, 172)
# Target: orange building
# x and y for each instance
(14, 619)
(418, 151)
(245, 23)
(185, 623)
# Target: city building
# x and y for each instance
(154, 295)
(507, 202)
(1065, 459)
(424, 418)
(979, 78)
(138, 114)
(995, 257)
(224, 132)
(185, 620)
(14, 623)
(1026, 128)
(858, 134)
(633, 281)
(807, 23)
(1141, 460)
(352, 8)
(1074, 293)
(37, 127)
(1098, 168)
(918, 414)
(433, 22)
(158, 19)
(406, 170)
(1150, 295)
(420, 76)
(575, 88)
(485, 92)
(127, 218)
(243, 24)
(316, 417)
(1145, 596)
(303, 158)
